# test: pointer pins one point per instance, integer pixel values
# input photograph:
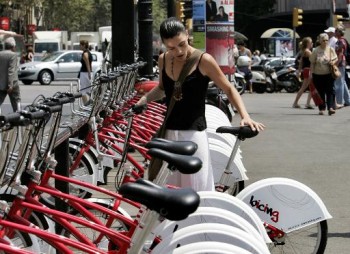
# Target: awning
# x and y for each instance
(239, 36)
(279, 33)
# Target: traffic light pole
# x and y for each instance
(294, 41)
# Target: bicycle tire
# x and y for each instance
(210, 248)
(300, 241)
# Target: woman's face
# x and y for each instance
(324, 42)
(177, 46)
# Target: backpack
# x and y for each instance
(347, 51)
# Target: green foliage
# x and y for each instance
(159, 14)
(77, 15)
(247, 11)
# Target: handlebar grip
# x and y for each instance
(40, 114)
(56, 108)
(137, 109)
(10, 118)
(66, 100)
(77, 95)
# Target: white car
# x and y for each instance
(58, 65)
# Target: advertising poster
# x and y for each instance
(220, 34)
(198, 7)
(220, 44)
(284, 47)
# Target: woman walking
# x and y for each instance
(321, 59)
(304, 69)
(85, 71)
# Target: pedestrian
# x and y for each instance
(9, 74)
(342, 95)
(304, 70)
(187, 118)
(30, 55)
(256, 57)
(331, 35)
(320, 60)
(85, 72)
(244, 63)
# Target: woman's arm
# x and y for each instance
(210, 68)
(157, 92)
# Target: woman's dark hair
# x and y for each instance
(170, 28)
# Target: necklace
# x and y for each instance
(177, 94)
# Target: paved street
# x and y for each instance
(297, 144)
(309, 148)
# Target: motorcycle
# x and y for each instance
(285, 78)
(259, 79)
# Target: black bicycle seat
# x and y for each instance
(172, 204)
(178, 147)
(183, 163)
(241, 132)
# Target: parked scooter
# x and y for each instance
(286, 78)
(259, 78)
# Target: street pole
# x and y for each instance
(123, 36)
(145, 35)
(331, 13)
(294, 41)
(171, 8)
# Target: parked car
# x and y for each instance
(57, 65)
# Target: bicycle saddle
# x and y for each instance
(178, 147)
(183, 163)
(172, 204)
(241, 132)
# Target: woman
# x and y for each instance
(85, 72)
(304, 69)
(29, 55)
(187, 119)
(321, 58)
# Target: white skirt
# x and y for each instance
(202, 180)
(85, 83)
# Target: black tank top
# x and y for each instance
(83, 65)
(305, 62)
(189, 112)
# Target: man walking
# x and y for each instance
(8, 74)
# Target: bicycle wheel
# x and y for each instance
(210, 248)
(309, 240)
(104, 243)
(23, 241)
(84, 171)
(37, 219)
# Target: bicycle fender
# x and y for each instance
(284, 203)
(234, 205)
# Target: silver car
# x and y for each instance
(58, 65)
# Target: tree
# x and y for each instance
(248, 11)
(78, 15)
(159, 14)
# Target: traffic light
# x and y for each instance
(187, 9)
(297, 17)
(337, 20)
(180, 11)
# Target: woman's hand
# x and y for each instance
(255, 126)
